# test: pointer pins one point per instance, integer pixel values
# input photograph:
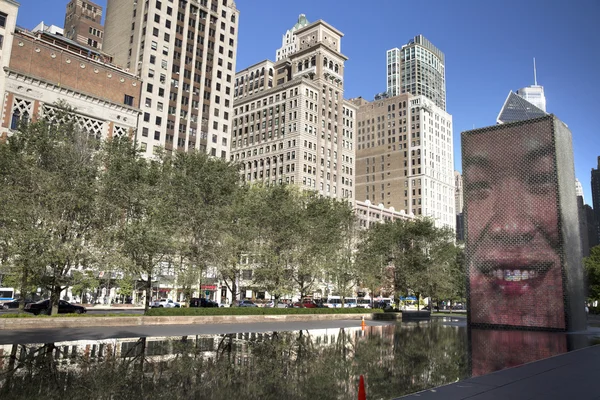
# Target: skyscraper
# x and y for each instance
(596, 195)
(404, 157)
(185, 52)
(516, 108)
(458, 194)
(83, 23)
(534, 93)
(417, 68)
(579, 189)
(291, 123)
(289, 43)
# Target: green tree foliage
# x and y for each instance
(203, 189)
(50, 186)
(420, 258)
(137, 203)
(592, 269)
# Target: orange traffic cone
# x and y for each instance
(363, 322)
(362, 394)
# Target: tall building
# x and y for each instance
(579, 189)
(46, 68)
(83, 23)
(404, 156)
(291, 123)
(289, 44)
(534, 93)
(185, 53)
(596, 196)
(458, 192)
(516, 108)
(418, 68)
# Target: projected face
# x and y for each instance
(513, 246)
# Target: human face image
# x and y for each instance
(513, 242)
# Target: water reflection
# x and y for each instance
(319, 364)
(493, 350)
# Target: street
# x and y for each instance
(99, 333)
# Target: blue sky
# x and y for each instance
(489, 47)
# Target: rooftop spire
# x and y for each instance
(534, 73)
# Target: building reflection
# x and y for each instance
(324, 364)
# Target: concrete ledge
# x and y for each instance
(416, 315)
(387, 316)
(87, 322)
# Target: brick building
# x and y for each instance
(45, 68)
(83, 23)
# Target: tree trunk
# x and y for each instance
(22, 290)
(54, 299)
(148, 293)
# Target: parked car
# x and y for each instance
(306, 303)
(14, 304)
(64, 307)
(245, 303)
(196, 302)
(280, 304)
(166, 303)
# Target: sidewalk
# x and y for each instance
(571, 375)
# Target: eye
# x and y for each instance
(478, 190)
(540, 183)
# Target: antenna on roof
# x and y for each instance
(534, 73)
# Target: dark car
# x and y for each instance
(14, 304)
(196, 302)
(64, 307)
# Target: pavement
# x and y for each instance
(26, 336)
(572, 375)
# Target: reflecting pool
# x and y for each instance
(395, 359)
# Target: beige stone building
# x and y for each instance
(46, 68)
(291, 123)
(83, 23)
(185, 52)
(404, 156)
(369, 214)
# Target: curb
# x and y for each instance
(89, 322)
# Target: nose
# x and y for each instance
(511, 223)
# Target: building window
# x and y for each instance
(3, 17)
(127, 101)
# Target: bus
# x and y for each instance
(7, 294)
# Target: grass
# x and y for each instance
(255, 311)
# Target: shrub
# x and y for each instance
(155, 312)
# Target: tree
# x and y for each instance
(322, 231)
(84, 282)
(277, 213)
(136, 204)
(422, 257)
(53, 204)
(592, 269)
(238, 238)
(203, 189)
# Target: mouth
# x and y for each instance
(514, 278)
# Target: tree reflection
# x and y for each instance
(323, 364)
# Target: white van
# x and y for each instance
(350, 302)
(333, 302)
(363, 302)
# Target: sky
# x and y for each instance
(489, 48)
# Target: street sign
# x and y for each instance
(207, 292)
